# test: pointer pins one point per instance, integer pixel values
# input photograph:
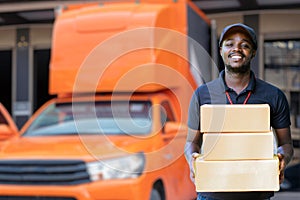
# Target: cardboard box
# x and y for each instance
(234, 176)
(238, 146)
(235, 118)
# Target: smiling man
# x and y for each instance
(237, 84)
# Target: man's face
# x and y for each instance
(237, 51)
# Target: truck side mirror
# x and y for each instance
(174, 128)
(6, 132)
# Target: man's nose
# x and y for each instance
(237, 47)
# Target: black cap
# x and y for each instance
(248, 29)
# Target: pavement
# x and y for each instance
(286, 196)
(291, 184)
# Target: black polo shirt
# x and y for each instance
(214, 92)
(261, 93)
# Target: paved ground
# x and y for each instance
(286, 196)
(292, 175)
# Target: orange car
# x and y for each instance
(8, 128)
(116, 129)
(100, 149)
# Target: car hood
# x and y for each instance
(87, 148)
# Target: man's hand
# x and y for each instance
(285, 150)
(282, 166)
(192, 164)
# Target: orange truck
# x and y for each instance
(122, 77)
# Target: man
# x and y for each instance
(237, 84)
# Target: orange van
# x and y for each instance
(117, 128)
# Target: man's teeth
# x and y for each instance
(236, 57)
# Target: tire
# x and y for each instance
(155, 195)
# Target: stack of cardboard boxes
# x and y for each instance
(237, 150)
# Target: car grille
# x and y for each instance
(43, 172)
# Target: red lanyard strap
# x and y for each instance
(230, 101)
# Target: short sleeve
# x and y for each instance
(280, 118)
(194, 112)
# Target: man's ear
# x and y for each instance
(253, 53)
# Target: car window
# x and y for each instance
(119, 117)
(166, 113)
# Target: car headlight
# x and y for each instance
(130, 166)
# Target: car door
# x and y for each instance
(8, 127)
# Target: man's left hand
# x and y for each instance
(282, 166)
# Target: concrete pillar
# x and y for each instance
(253, 21)
(21, 100)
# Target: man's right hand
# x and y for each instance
(192, 164)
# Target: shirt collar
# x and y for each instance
(250, 87)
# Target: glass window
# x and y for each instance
(282, 68)
(282, 63)
(120, 117)
(166, 113)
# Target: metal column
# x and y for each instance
(21, 100)
(253, 21)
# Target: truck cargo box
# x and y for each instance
(104, 48)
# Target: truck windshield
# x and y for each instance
(109, 118)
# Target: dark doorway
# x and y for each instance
(6, 78)
(41, 78)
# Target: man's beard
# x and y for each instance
(238, 70)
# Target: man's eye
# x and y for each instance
(245, 46)
(228, 44)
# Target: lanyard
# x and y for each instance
(230, 101)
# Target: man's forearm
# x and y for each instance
(190, 148)
(287, 151)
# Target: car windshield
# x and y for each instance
(117, 118)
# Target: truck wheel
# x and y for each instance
(155, 195)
